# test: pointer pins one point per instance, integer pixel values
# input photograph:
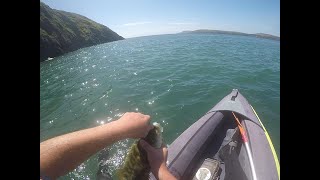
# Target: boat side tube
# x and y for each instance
(186, 147)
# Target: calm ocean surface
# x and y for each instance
(174, 78)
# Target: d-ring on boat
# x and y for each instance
(228, 142)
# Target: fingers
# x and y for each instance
(163, 145)
(150, 127)
(147, 117)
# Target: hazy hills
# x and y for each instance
(258, 35)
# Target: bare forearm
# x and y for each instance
(64, 153)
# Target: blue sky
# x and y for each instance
(132, 18)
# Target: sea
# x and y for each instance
(174, 78)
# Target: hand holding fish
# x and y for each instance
(59, 155)
(135, 125)
(62, 154)
(157, 159)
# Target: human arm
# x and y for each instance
(157, 159)
(64, 153)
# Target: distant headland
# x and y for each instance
(258, 35)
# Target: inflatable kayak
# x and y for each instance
(228, 142)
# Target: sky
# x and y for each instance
(133, 18)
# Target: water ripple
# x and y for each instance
(174, 78)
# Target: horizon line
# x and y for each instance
(200, 29)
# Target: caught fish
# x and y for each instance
(136, 164)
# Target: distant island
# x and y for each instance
(258, 35)
(62, 32)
